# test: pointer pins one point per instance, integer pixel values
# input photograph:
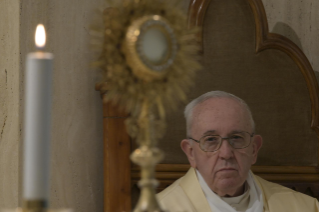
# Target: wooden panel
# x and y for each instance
(172, 172)
(255, 169)
(117, 165)
(303, 179)
(266, 40)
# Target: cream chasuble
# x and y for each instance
(186, 195)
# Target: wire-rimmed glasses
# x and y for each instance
(212, 143)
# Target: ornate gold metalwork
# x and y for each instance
(124, 87)
(146, 89)
(29, 210)
(142, 67)
(49, 210)
(35, 206)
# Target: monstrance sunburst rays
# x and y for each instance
(126, 89)
(146, 90)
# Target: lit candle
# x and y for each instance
(37, 123)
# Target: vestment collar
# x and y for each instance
(193, 190)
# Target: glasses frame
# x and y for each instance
(220, 144)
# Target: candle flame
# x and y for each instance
(40, 36)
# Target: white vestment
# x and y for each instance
(216, 203)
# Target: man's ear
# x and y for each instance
(257, 143)
(188, 149)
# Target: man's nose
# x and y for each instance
(225, 150)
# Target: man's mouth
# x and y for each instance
(227, 169)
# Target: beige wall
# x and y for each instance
(9, 103)
(77, 146)
(77, 166)
(297, 20)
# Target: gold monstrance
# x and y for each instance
(149, 59)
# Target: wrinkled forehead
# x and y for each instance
(223, 111)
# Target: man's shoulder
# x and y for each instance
(273, 188)
(174, 198)
(281, 198)
(172, 190)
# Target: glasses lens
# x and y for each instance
(210, 143)
(239, 140)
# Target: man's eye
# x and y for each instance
(236, 137)
(211, 139)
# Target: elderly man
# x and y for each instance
(221, 146)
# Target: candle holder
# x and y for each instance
(36, 206)
(40, 210)
(44, 210)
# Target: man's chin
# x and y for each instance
(228, 187)
(228, 181)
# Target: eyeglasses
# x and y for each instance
(212, 143)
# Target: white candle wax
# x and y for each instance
(37, 125)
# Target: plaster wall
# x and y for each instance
(297, 20)
(9, 103)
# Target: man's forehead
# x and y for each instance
(222, 111)
(217, 113)
(219, 104)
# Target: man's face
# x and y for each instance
(226, 169)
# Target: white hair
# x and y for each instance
(188, 112)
